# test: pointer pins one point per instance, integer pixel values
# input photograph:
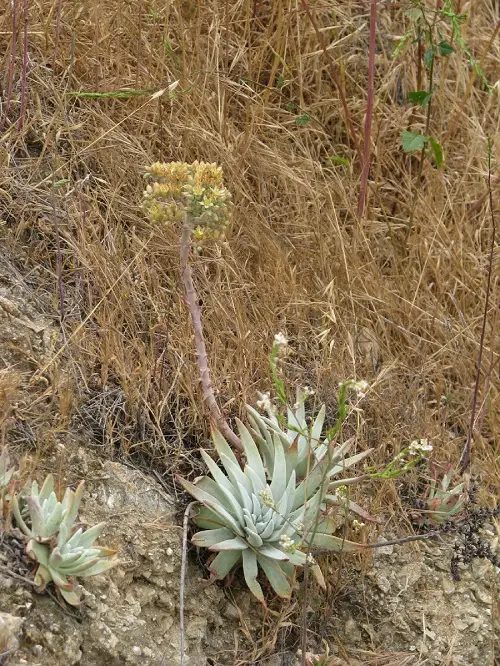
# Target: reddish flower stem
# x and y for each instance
(191, 300)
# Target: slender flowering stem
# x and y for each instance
(465, 458)
(192, 303)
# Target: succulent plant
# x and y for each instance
(259, 516)
(76, 556)
(46, 514)
(305, 447)
(60, 552)
(440, 504)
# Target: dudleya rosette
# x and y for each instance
(305, 447)
(61, 551)
(261, 515)
(441, 503)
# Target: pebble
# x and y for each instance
(137, 650)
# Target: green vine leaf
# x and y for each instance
(437, 151)
(420, 97)
(412, 141)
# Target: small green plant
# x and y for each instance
(427, 29)
(68, 558)
(405, 461)
(60, 551)
(261, 516)
(440, 503)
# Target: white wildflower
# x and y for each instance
(311, 560)
(287, 544)
(308, 392)
(280, 340)
(265, 403)
(342, 492)
(419, 447)
(360, 387)
(357, 525)
(281, 345)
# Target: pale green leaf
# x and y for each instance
(224, 562)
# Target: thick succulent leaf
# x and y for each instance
(344, 482)
(60, 580)
(72, 502)
(318, 575)
(38, 552)
(55, 558)
(252, 452)
(286, 503)
(37, 518)
(212, 503)
(80, 568)
(206, 518)
(272, 426)
(337, 544)
(314, 504)
(273, 553)
(224, 562)
(291, 457)
(288, 569)
(208, 538)
(450, 493)
(445, 483)
(99, 567)
(19, 519)
(250, 572)
(223, 447)
(298, 558)
(317, 427)
(228, 501)
(217, 474)
(253, 538)
(313, 480)
(236, 475)
(255, 479)
(263, 437)
(275, 576)
(65, 560)
(236, 543)
(42, 576)
(279, 480)
(86, 539)
(53, 521)
(267, 531)
(71, 597)
(348, 462)
(47, 488)
(355, 508)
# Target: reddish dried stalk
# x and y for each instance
(465, 458)
(369, 110)
(191, 300)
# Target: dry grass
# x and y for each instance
(374, 299)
